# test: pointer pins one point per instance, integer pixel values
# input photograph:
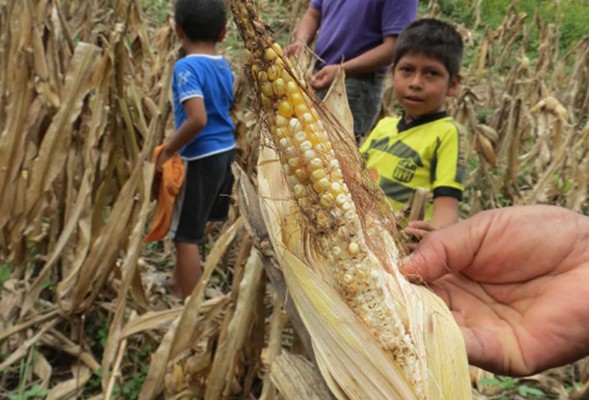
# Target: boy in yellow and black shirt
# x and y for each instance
(423, 147)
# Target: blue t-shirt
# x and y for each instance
(210, 78)
(352, 27)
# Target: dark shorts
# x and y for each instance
(364, 93)
(205, 196)
(365, 98)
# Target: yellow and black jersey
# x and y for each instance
(428, 153)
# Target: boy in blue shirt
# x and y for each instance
(202, 89)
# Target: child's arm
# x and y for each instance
(196, 120)
(445, 211)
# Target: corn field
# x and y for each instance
(84, 99)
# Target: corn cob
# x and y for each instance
(315, 179)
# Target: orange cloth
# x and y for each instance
(171, 182)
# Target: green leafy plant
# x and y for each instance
(527, 391)
(513, 385)
(4, 273)
(35, 392)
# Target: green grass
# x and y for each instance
(157, 10)
(570, 15)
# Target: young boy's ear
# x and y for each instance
(179, 31)
(454, 85)
(222, 34)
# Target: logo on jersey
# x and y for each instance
(183, 78)
(405, 170)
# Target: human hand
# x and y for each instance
(323, 78)
(517, 282)
(294, 49)
(416, 232)
(164, 156)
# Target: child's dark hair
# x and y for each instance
(201, 20)
(433, 38)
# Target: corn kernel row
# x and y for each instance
(314, 176)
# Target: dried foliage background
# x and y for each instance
(83, 101)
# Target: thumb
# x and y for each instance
(447, 250)
(428, 262)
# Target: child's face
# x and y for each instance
(421, 84)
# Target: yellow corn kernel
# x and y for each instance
(301, 174)
(306, 145)
(266, 89)
(296, 98)
(336, 189)
(291, 87)
(301, 109)
(327, 200)
(321, 185)
(273, 72)
(316, 163)
(323, 219)
(270, 54)
(336, 173)
(281, 133)
(278, 49)
(294, 162)
(307, 119)
(341, 199)
(300, 137)
(281, 122)
(318, 174)
(304, 202)
(309, 155)
(287, 169)
(353, 248)
(299, 190)
(294, 126)
(262, 76)
(279, 87)
(266, 101)
(311, 128)
(285, 109)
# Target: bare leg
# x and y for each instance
(186, 273)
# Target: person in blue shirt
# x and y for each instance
(360, 37)
(202, 91)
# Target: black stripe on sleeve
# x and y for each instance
(448, 192)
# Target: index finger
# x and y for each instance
(508, 245)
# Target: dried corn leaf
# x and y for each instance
(43, 370)
(336, 101)
(128, 270)
(24, 348)
(71, 388)
(53, 150)
(296, 378)
(239, 328)
(181, 333)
